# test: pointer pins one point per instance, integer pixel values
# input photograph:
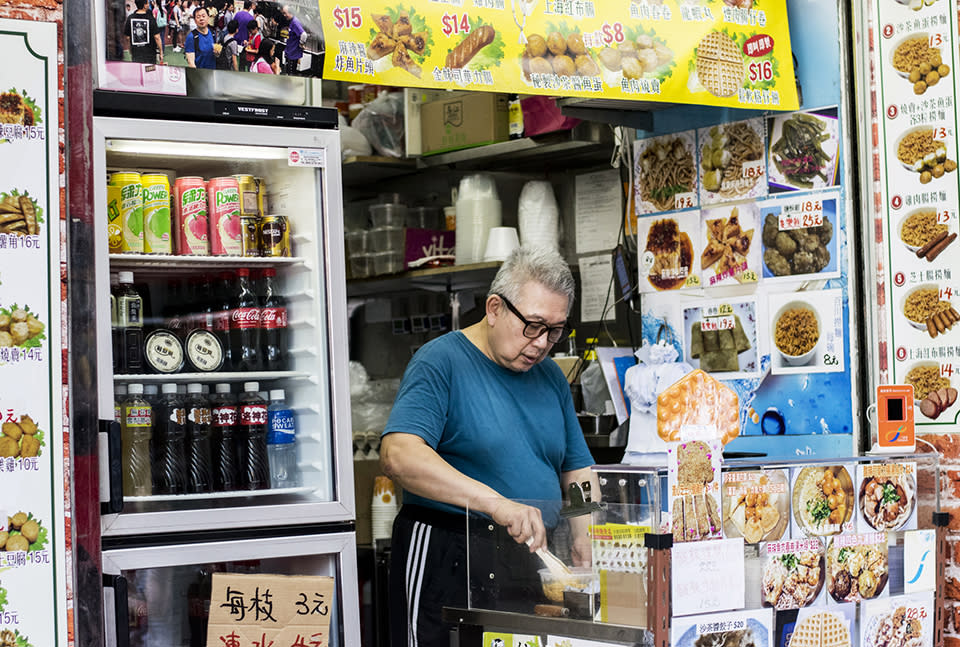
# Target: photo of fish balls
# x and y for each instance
(20, 439)
(632, 69)
(556, 43)
(30, 531)
(563, 66)
(16, 543)
(540, 65)
(575, 44)
(586, 66)
(610, 59)
(23, 531)
(536, 46)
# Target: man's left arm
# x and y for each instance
(580, 550)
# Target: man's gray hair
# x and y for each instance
(540, 264)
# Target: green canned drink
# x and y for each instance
(157, 238)
(131, 211)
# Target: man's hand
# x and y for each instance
(523, 522)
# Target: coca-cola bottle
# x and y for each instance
(273, 324)
(245, 326)
(253, 444)
(171, 416)
(221, 316)
(199, 463)
(224, 419)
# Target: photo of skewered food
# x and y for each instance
(19, 214)
(401, 33)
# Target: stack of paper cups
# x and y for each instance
(478, 211)
(538, 216)
(383, 509)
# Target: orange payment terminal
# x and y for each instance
(895, 430)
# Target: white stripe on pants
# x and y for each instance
(416, 558)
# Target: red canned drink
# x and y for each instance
(275, 236)
(250, 226)
(223, 196)
(190, 216)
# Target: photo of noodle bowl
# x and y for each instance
(922, 303)
(665, 169)
(667, 257)
(917, 61)
(732, 161)
(886, 502)
(919, 227)
(919, 152)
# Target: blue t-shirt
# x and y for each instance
(515, 432)
(205, 57)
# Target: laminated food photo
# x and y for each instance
(822, 500)
(665, 173)
(694, 475)
(900, 621)
(21, 438)
(729, 254)
(887, 496)
(792, 578)
(803, 151)
(721, 338)
(400, 39)
(804, 331)
(756, 505)
(817, 627)
(667, 260)
(752, 628)
(857, 571)
(732, 161)
(24, 532)
(792, 250)
(19, 213)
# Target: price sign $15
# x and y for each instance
(347, 18)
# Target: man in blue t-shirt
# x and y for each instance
(484, 418)
(199, 42)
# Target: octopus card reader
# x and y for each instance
(895, 430)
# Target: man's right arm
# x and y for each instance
(418, 468)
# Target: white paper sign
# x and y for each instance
(598, 211)
(595, 274)
(707, 576)
(312, 157)
(919, 561)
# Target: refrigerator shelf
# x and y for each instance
(168, 263)
(255, 376)
(235, 494)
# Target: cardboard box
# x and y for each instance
(364, 474)
(463, 121)
(413, 100)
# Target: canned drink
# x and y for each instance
(261, 196)
(157, 238)
(114, 221)
(223, 195)
(248, 195)
(131, 211)
(190, 216)
(250, 226)
(275, 236)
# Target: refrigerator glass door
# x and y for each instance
(160, 596)
(189, 289)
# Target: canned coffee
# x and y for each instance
(275, 236)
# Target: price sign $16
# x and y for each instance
(454, 24)
(347, 18)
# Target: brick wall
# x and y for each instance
(948, 446)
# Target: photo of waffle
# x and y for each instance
(561, 52)
(19, 214)
(16, 107)
(821, 629)
(20, 438)
(732, 161)
(719, 65)
(481, 48)
(401, 34)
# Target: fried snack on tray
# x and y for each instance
(698, 399)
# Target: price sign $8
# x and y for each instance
(347, 18)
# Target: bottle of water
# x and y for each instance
(282, 442)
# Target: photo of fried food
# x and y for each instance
(20, 327)
(723, 156)
(792, 580)
(19, 214)
(855, 573)
(919, 63)
(560, 53)
(727, 246)
(20, 438)
(897, 629)
(17, 108)
(673, 254)
(470, 46)
(24, 532)
(665, 168)
(396, 39)
(644, 56)
(795, 251)
(919, 152)
(719, 64)
(756, 505)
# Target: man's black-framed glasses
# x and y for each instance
(534, 329)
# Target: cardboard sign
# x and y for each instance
(270, 610)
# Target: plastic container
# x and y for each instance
(387, 262)
(361, 265)
(554, 584)
(478, 211)
(385, 239)
(388, 215)
(500, 243)
(391, 198)
(424, 218)
(356, 242)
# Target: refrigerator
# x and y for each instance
(159, 551)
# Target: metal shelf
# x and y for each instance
(168, 263)
(234, 376)
(455, 278)
(531, 624)
(205, 496)
(365, 169)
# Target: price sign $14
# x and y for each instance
(455, 24)
(347, 18)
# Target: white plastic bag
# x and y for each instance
(381, 122)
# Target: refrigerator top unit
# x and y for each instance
(108, 103)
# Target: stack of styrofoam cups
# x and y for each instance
(478, 211)
(538, 216)
(383, 509)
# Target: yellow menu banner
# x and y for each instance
(732, 53)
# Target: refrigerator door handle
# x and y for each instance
(111, 467)
(120, 636)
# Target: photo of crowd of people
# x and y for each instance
(262, 37)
